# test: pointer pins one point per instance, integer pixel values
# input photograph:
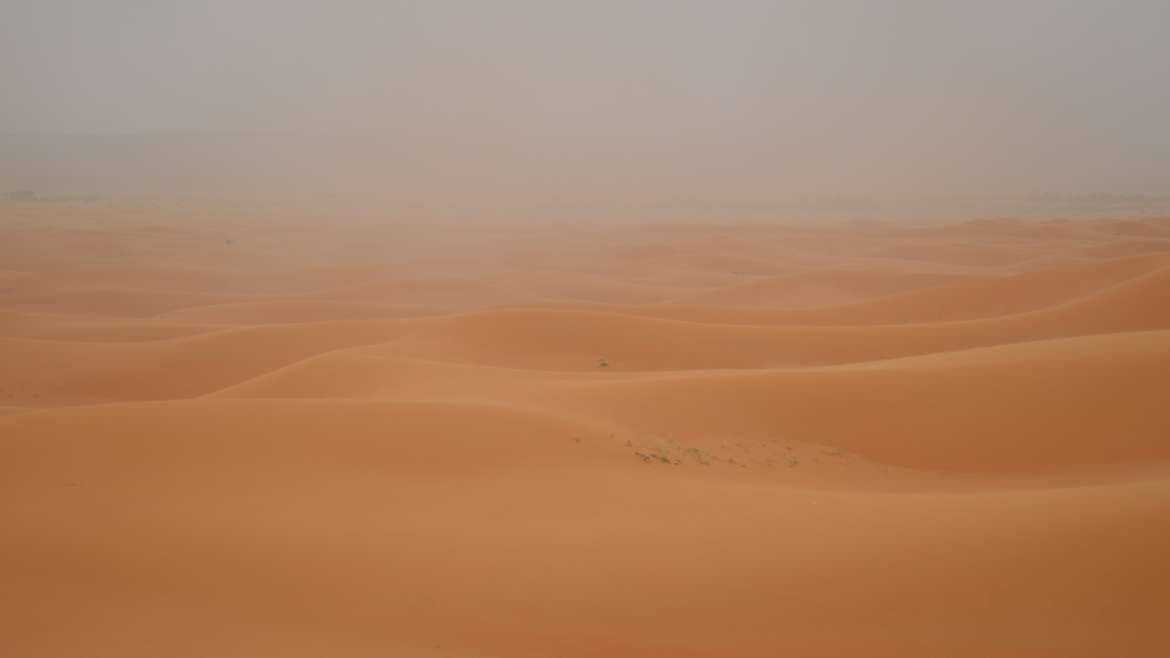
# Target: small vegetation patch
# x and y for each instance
(742, 452)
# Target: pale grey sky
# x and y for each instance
(518, 105)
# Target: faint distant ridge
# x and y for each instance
(31, 197)
(1100, 202)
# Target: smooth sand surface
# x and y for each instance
(242, 436)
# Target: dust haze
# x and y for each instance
(685, 108)
(659, 329)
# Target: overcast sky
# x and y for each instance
(545, 104)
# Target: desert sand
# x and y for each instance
(239, 434)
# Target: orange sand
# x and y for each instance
(235, 437)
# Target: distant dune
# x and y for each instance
(235, 437)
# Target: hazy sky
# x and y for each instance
(548, 104)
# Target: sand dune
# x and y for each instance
(174, 368)
(87, 329)
(294, 311)
(956, 253)
(956, 415)
(1128, 248)
(236, 439)
(104, 302)
(821, 288)
(489, 503)
(579, 340)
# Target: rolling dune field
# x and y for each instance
(239, 435)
